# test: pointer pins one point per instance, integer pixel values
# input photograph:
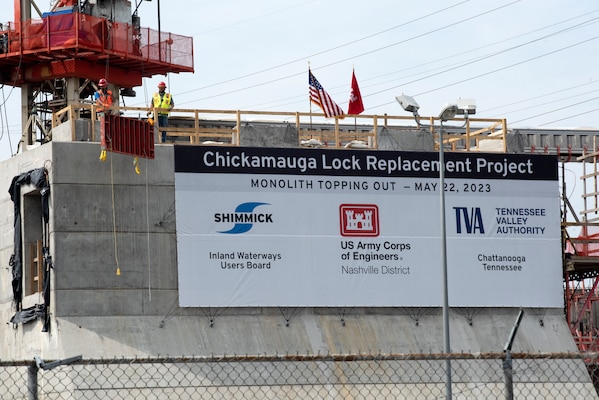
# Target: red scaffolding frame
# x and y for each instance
(80, 45)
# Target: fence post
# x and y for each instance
(507, 362)
(509, 377)
(32, 381)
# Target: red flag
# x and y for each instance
(355, 99)
(321, 98)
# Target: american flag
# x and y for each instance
(321, 98)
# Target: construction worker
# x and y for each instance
(63, 3)
(103, 98)
(3, 40)
(163, 101)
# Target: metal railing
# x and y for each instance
(197, 126)
(351, 376)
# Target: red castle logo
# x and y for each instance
(359, 220)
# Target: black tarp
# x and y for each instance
(28, 314)
(39, 178)
(48, 265)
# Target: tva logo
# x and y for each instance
(470, 219)
(244, 218)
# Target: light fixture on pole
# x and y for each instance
(409, 104)
(449, 111)
(466, 107)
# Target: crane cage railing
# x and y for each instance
(224, 127)
(81, 33)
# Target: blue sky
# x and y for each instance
(530, 61)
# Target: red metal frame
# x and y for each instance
(81, 45)
(579, 300)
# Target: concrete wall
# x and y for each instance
(97, 313)
(108, 218)
(268, 135)
(405, 139)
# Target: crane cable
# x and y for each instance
(138, 172)
(103, 158)
(116, 250)
(145, 88)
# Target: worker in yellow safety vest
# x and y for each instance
(163, 101)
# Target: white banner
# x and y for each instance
(251, 233)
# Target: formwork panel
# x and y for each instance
(128, 136)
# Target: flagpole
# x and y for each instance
(310, 117)
(355, 118)
(310, 101)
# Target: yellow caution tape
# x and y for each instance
(103, 155)
(136, 163)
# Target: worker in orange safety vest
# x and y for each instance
(103, 98)
(64, 3)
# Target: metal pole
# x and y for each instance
(446, 347)
(32, 381)
(159, 37)
(508, 375)
(507, 363)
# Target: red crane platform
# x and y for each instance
(80, 45)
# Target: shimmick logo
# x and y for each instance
(244, 218)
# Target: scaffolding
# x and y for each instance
(581, 259)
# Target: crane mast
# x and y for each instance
(57, 56)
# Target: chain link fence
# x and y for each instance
(358, 376)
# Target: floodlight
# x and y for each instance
(466, 106)
(448, 111)
(408, 103)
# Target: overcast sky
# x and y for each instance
(533, 62)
